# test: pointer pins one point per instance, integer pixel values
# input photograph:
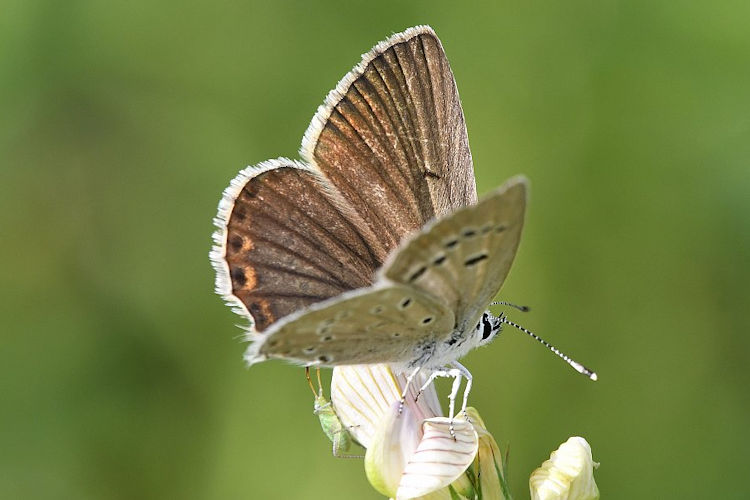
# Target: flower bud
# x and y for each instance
(567, 475)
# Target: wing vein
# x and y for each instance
(324, 230)
(410, 194)
(298, 256)
(296, 272)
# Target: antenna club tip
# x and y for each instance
(594, 376)
(525, 308)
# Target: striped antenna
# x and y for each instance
(575, 364)
(503, 303)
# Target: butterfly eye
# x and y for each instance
(486, 327)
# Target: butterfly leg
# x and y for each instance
(467, 389)
(406, 388)
(456, 374)
(430, 379)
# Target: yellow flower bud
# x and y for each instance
(567, 475)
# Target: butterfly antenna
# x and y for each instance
(309, 380)
(520, 308)
(575, 364)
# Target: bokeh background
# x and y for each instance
(122, 121)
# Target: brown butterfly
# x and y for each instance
(373, 249)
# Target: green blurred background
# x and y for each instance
(122, 121)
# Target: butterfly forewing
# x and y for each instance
(389, 152)
(464, 258)
(392, 138)
(374, 325)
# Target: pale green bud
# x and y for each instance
(567, 475)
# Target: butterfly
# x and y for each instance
(373, 248)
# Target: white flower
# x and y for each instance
(410, 453)
(567, 475)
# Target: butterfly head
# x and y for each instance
(488, 327)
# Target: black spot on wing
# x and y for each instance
(238, 276)
(471, 261)
(235, 243)
(416, 274)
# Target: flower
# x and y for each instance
(567, 475)
(412, 450)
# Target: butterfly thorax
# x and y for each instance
(435, 354)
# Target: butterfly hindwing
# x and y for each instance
(464, 258)
(286, 240)
(382, 324)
